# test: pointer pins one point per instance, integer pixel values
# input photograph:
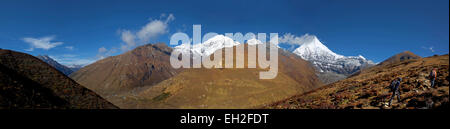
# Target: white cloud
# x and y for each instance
(429, 48)
(69, 55)
(170, 18)
(103, 52)
(69, 47)
(129, 40)
(71, 60)
(150, 31)
(42, 43)
(29, 49)
(289, 38)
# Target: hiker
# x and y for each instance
(433, 76)
(429, 103)
(395, 91)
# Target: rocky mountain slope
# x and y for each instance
(331, 67)
(56, 65)
(145, 65)
(326, 60)
(369, 89)
(29, 83)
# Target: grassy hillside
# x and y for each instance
(369, 89)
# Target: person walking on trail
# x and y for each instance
(395, 89)
(433, 76)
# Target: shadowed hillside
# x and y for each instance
(27, 82)
(369, 89)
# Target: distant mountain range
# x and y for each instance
(227, 88)
(144, 78)
(56, 65)
(331, 67)
(67, 70)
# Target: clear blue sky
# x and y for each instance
(376, 29)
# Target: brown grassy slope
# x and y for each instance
(369, 90)
(406, 55)
(28, 82)
(225, 88)
(145, 65)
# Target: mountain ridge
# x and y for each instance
(331, 67)
(405, 55)
(64, 69)
(327, 61)
(30, 83)
(145, 65)
(224, 87)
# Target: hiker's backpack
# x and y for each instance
(392, 86)
(433, 74)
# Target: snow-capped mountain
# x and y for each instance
(326, 60)
(56, 65)
(311, 50)
(209, 46)
(213, 44)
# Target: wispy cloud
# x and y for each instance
(129, 39)
(69, 47)
(429, 48)
(289, 38)
(42, 43)
(103, 52)
(150, 31)
(71, 60)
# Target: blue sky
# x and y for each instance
(77, 32)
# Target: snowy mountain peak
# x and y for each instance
(325, 60)
(209, 46)
(362, 57)
(253, 42)
(313, 49)
(213, 44)
(47, 59)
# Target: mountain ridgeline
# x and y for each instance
(64, 69)
(331, 67)
(144, 78)
(29, 83)
(144, 66)
(406, 55)
(225, 87)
